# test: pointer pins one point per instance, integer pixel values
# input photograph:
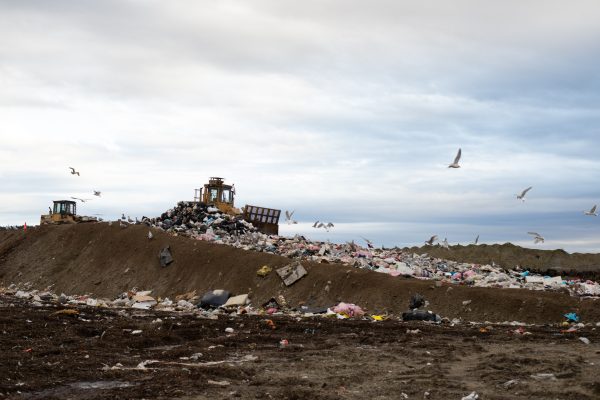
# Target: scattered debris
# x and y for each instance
(291, 273)
(165, 256)
(264, 271)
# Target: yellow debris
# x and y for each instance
(264, 271)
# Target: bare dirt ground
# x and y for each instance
(96, 354)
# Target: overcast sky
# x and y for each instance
(344, 111)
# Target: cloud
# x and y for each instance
(339, 109)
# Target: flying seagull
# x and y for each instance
(288, 217)
(73, 172)
(537, 238)
(444, 244)
(369, 243)
(431, 240)
(97, 193)
(477, 240)
(315, 224)
(523, 193)
(82, 200)
(456, 159)
(592, 211)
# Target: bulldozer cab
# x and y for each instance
(64, 207)
(217, 193)
(62, 212)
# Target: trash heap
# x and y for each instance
(203, 222)
(210, 305)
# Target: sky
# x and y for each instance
(343, 111)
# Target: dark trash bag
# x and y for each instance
(213, 299)
(420, 315)
(416, 301)
(165, 257)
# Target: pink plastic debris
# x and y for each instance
(351, 310)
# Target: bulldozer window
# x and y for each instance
(227, 196)
(214, 195)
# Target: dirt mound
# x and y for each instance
(105, 261)
(508, 255)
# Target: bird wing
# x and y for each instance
(315, 225)
(477, 239)
(593, 210)
(534, 234)
(75, 198)
(329, 225)
(72, 170)
(526, 190)
(457, 158)
(287, 215)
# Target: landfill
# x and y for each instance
(207, 223)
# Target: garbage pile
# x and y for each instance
(210, 305)
(201, 221)
(207, 223)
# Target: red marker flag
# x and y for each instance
(25, 226)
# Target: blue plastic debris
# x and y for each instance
(572, 317)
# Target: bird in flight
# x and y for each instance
(444, 244)
(537, 238)
(97, 193)
(592, 212)
(288, 217)
(324, 225)
(523, 193)
(456, 159)
(477, 240)
(82, 200)
(73, 172)
(369, 243)
(431, 240)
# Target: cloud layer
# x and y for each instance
(342, 110)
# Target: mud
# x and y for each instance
(96, 355)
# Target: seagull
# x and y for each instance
(123, 216)
(326, 226)
(537, 238)
(73, 172)
(369, 243)
(444, 244)
(82, 200)
(477, 239)
(523, 193)
(150, 235)
(431, 240)
(288, 217)
(129, 219)
(97, 193)
(591, 212)
(456, 159)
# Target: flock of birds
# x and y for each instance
(123, 221)
(537, 238)
(318, 224)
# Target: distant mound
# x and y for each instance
(105, 260)
(509, 255)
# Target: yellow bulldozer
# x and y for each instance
(216, 193)
(64, 212)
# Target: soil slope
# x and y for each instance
(105, 260)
